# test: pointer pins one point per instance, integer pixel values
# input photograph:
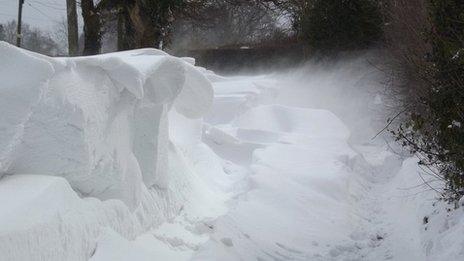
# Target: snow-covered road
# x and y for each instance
(301, 190)
(307, 189)
(305, 186)
(139, 155)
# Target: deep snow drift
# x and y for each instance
(98, 127)
(143, 156)
(100, 122)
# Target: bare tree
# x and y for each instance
(92, 27)
(72, 27)
(2, 33)
(219, 23)
(60, 33)
(32, 39)
(146, 23)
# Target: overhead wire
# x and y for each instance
(46, 5)
(30, 18)
(40, 11)
(35, 8)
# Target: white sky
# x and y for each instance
(44, 14)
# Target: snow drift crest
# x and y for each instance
(101, 122)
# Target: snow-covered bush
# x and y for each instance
(433, 96)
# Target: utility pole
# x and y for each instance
(18, 29)
(73, 45)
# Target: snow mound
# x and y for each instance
(111, 145)
(101, 122)
(281, 119)
(42, 217)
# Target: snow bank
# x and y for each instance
(283, 119)
(42, 218)
(108, 158)
(100, 122)
(99, 128)
(423, 228)
(353, 89)
(300, 186)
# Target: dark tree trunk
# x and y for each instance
(143, 22)
(73, 33)
(145, 31)
(129, 36)
(121, 32)
(92, 28)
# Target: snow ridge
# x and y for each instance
(97, 127)
(139, 155)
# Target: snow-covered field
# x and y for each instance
(143, 156)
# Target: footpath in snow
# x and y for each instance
(143, 156)
(317, 186)
(308, 194)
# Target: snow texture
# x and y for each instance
(92, 136)
(139, 155)
(100, 122)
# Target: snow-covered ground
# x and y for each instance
(143, 156)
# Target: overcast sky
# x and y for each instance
(44, 14)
